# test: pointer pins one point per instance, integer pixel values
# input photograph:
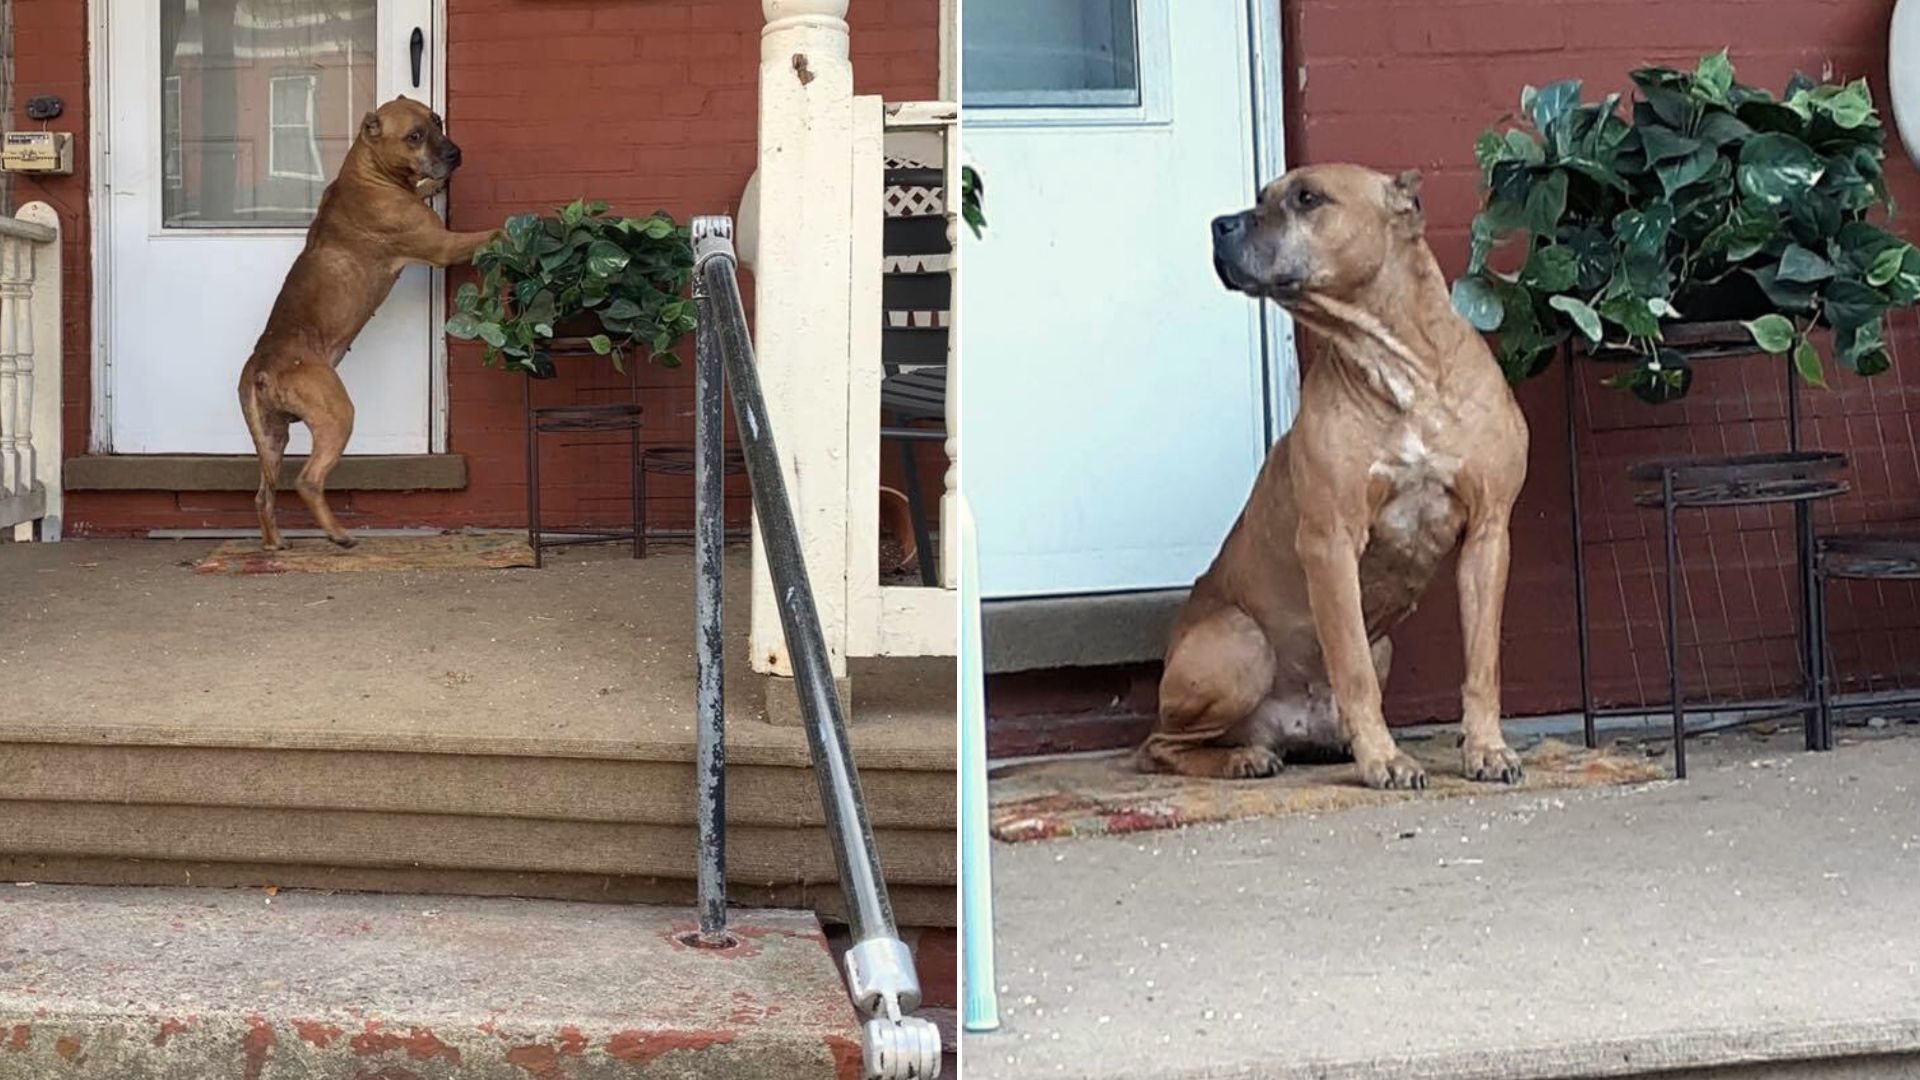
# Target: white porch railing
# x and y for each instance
(30, 373)
(816, 250)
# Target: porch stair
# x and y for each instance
(491, 733)
(180, 984)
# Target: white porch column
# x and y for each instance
(802, 269)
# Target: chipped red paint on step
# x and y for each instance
(420, 1044)
(318, 1032)
(640, 1047)
(168, 1029)
(391, 1072)
(537, 1060)
(848, 1061)
(573, 1041)
(19, 1037)
(255, 1046)
(68, 1048)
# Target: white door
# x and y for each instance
(226, 120)
(1116, 397)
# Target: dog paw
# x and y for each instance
(1397, 773)
(1492, 764)
(271, 545)
(343, 540)
(1252, 763)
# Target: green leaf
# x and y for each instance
(1631, 314)
(1546, 203)
(1551, 102)
(1776, 168)
(1714, 77)
(1806, 361)
(1662, 144)
(1886, 265)
(606, 258)
(1853, 303)
(1582, 315)
(601, 344)
(1850, 107)
(1678, 173)
(1477, 302)
(492, 334)
(1718, 128)
(1644, 232)
(1550, 269)
(659, 228)
(1522, 148)
(1486, 150)
(1661, 307)
(1800, 264)
(463, 326)
(1773, 333)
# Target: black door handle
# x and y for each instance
(417, 46)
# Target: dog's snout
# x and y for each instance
(451, 153)
(1229, 226)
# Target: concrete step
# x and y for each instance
(491, 732)
(175, 984)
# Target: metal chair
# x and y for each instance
(913, 391)
(627, 416)
(1868, 557)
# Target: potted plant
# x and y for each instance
(614, 283)
(1715, 202)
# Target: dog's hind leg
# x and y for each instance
(268, 426)
(328, 413)
(1218, 674)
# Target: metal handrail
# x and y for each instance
(879, 967)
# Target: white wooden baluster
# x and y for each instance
(952, 201)
(23, 357)
(15, 283)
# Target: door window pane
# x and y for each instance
(1050, 53)
(269, 94)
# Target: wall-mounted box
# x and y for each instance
(38, 152)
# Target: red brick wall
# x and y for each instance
(646, 104)
(1398, 85)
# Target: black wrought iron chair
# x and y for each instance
(913, 390)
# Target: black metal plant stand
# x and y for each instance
(1797, 477)
(612, 417)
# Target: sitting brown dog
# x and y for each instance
(373, 220)
(1408, 445)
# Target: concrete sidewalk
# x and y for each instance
(1767, 910)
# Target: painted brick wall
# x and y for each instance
(648, 104)
(1398, 85)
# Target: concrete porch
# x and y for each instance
(520, 732)
(1753, 921)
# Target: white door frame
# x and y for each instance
(1282, 362)
(100, 208)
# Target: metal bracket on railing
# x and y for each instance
(712, 236)
(881, 980)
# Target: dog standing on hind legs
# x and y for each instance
(1408, 446)
(372, 222)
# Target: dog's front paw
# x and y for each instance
(1252, 763)
(343, 540)
(1396, 773)
(1491, 764)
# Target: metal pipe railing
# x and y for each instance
(879, 966)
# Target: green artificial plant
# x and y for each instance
(620, 282)
(1715, 201)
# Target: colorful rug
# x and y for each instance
(448, 551)
(1105, 796)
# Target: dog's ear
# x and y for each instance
(370, 125)
(1403, 198)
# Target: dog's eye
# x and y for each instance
(1306, 198)
(415, 137)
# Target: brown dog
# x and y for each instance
(371, 223)
(1408, 444)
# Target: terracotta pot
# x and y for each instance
(896, 524)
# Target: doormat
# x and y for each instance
(1105, 797)
(318, 555)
